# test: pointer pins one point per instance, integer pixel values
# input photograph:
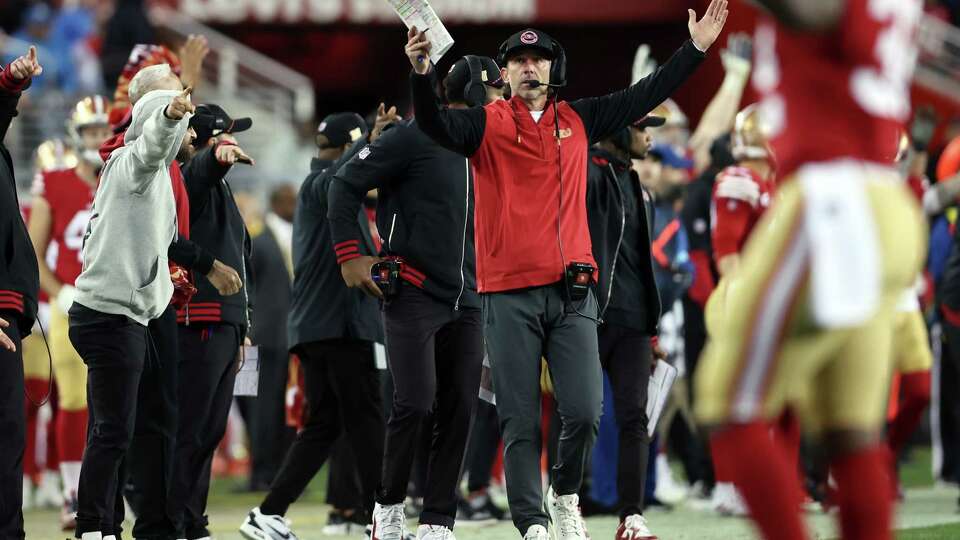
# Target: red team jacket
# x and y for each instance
(516, 234)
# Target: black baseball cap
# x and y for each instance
(458, 76)
(342, 128)
(650, 121)
(529, 39)
(211, 120)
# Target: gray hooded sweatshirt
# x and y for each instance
(134, 218)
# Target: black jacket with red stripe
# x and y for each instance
(322, 307)
(19, 274)
(424, 211)
(217, 227)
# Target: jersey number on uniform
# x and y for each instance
(75, 231)
(885, 91)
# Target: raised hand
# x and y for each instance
(705, 31)
(27, 66)
(738, 56)
(418, 50)
(181, 105)
(385, 117)
(192, 54)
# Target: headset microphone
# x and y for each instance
(537, 84)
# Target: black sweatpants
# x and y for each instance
(521, 327)
(342, 389)
(483, 446)
(625, 355)
(13, 418)
(206, 373)
(270, 437)
(343, 479)
(115, 349)
(149, 462)
(698, 461)
(435, 355)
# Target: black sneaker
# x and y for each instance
(500, 514)
(480, 510)
(336, 525)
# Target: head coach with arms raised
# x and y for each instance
(531, 233)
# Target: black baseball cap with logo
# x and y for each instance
(529, 39)
(211, 120)
(341, 128)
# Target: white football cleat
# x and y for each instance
(260, 526)
(49, 494)
(728, 502)
(668, 489)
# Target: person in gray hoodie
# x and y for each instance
(124, 284)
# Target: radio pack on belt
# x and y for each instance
(386, 274)
(578, 278)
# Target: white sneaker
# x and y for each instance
(389, 522)
(109, 537)
(96, 535)
(668, 489)
(536, 532)
(565, 515)
(728, 502)
(434, 532)
(338, 525)
(259, 526)
(49, 494)
(634, 527)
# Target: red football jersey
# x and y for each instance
(740, 197)
(841, 93)
(70, 200)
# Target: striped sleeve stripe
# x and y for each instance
(347, 257)
(346, 243)
(11, 300)
(346, 250)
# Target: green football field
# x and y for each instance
(928, 513)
